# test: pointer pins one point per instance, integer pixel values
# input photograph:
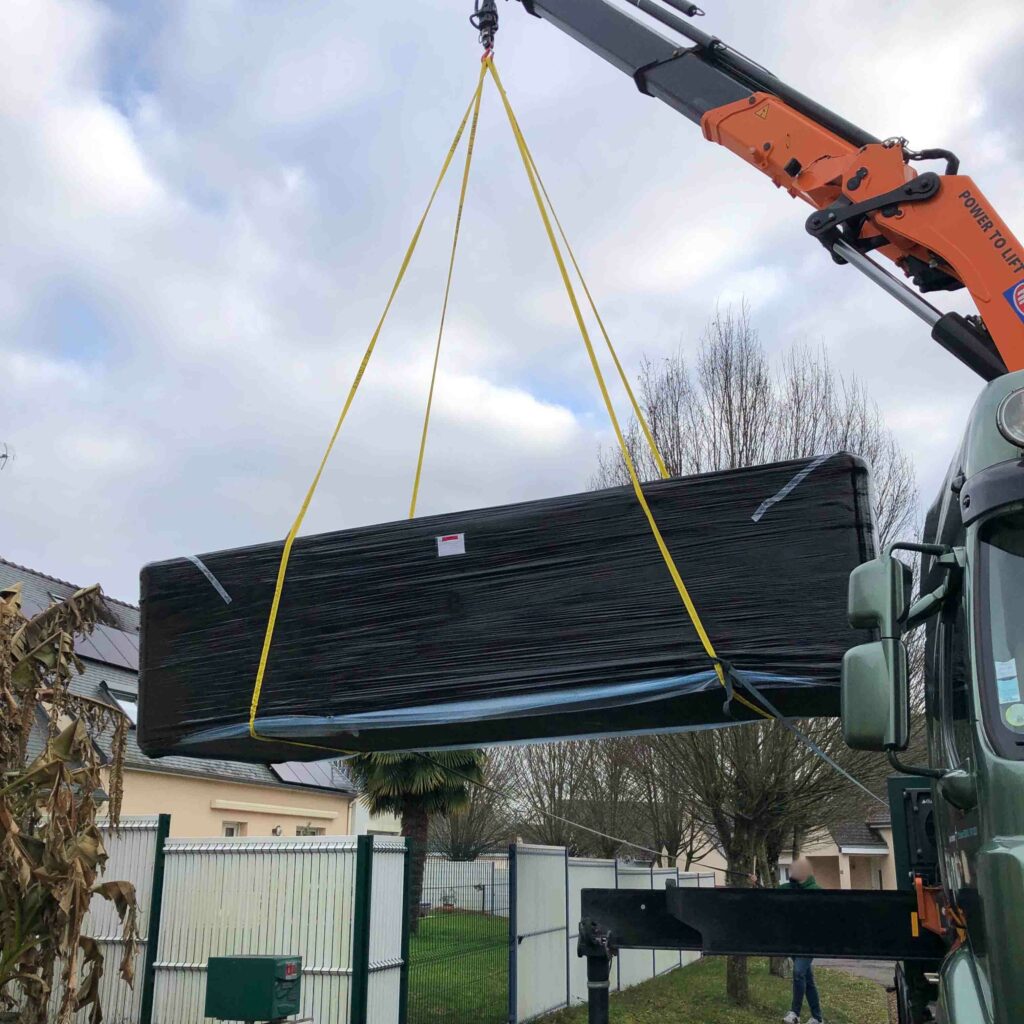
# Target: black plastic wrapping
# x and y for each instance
(559, 619)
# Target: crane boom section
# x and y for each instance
(947, 236)
(939, 228)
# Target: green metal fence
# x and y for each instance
(459, 943)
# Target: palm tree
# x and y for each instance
(414, 787)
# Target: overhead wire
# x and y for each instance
(551, 815)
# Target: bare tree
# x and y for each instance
(580, 794)
(665, 802)
(757, 788)
(485, 822)
(548, 783)
(609, 801)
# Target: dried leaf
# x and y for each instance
(51, 850)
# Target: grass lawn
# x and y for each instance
(458, 970)
(696, 995)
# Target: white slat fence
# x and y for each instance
(546, 972)
(281, 896)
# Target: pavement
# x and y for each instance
(874, 970)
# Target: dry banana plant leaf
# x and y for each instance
(51, 848)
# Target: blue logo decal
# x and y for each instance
(1015, 297)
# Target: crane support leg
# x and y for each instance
(594, 944)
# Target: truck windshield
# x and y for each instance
(1002, 637)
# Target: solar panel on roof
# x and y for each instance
(99, 645)
(121, 640)
(32, 603)
(321, 774)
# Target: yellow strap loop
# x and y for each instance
(290, 539)
(447, 291)
(666, 555)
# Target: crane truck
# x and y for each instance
(957, 921)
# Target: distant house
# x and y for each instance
(203, 797)
(851, 855)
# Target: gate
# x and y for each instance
(459, 941)
(541, 925)
(545, 971)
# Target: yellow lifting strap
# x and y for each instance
(670, 564)
(282, 569)
(447, 291)
(540, 195)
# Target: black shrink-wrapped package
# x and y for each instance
(540, 620)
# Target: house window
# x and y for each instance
(128, 703)
(233, 829)
(308, 830)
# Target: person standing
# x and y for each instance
(802, 877)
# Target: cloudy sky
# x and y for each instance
(203, 204)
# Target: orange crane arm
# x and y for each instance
(938, 228)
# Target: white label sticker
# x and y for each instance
(1007, 683)
(451, 544)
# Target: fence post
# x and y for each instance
(618, 959)
(407, 911)
(513, 964)
(156, 899)
(361, 930)
(680, 952)
(654, 952)
(568, 933)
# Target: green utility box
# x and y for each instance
(253, 988)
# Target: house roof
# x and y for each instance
(857, 834)
(109, 645)
(110, 657)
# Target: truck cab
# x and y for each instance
(971, 605)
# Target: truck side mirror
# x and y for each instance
(876, 696)
(875, 679)
(879, 595)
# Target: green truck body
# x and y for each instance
(974, 679)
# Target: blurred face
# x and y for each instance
(801, 870)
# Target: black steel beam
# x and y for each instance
(873, 925)
(692, 81)
(686, 83)
(764, 922)
(637, 919)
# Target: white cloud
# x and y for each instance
(36, 373)
(106, 452)
(51, 51)
(230, 186)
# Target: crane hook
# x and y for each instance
(485, 20)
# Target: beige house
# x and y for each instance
(203, 797)
(853, 855)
